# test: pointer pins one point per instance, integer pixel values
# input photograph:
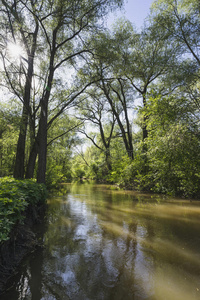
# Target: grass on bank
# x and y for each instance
(15, 197)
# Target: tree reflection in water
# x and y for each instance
(103, 244)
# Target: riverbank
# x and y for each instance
(22, 205)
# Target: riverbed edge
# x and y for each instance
(23, 241)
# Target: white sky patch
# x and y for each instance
(15, 50)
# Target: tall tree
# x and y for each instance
(94, 110)
(62, 27)
(20, 31)
(178, 22)
(117, 94)
(116, 90)
(147, 58)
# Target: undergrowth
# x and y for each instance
(15, 197)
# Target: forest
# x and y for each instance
(116, 105)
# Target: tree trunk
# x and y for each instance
(32, 160)
(42, 131)
(129, 147)
(108, 159)
(21, 144)
(144, 125)
(42, 137)
(144, 136)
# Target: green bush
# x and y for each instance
(54, 177)
(15, 196)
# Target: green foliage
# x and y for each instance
(174, 162)
(118, 166)
(163, 59)
(90, 165)
(171, 164)
(8, 137)
(15, 196)
(78, 172)
(98, 170)
(173, 147)
(55, 175)
(61, 140)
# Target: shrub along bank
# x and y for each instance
(15, 197)
(21, 206)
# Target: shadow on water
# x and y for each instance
(112, 245)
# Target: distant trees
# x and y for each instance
(94, 111)
(114, 89)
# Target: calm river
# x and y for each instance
(114, 245)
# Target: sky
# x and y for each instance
(135, 10)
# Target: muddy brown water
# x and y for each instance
(113, 245)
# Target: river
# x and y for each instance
(105, 244)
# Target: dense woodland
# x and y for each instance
(117, 105)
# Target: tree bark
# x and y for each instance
(42, 131)
(129, 147)
(108, 159)
(42, 137)
(26, 112)
(144, 126)
(32, 160)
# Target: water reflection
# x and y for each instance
(103, 244)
